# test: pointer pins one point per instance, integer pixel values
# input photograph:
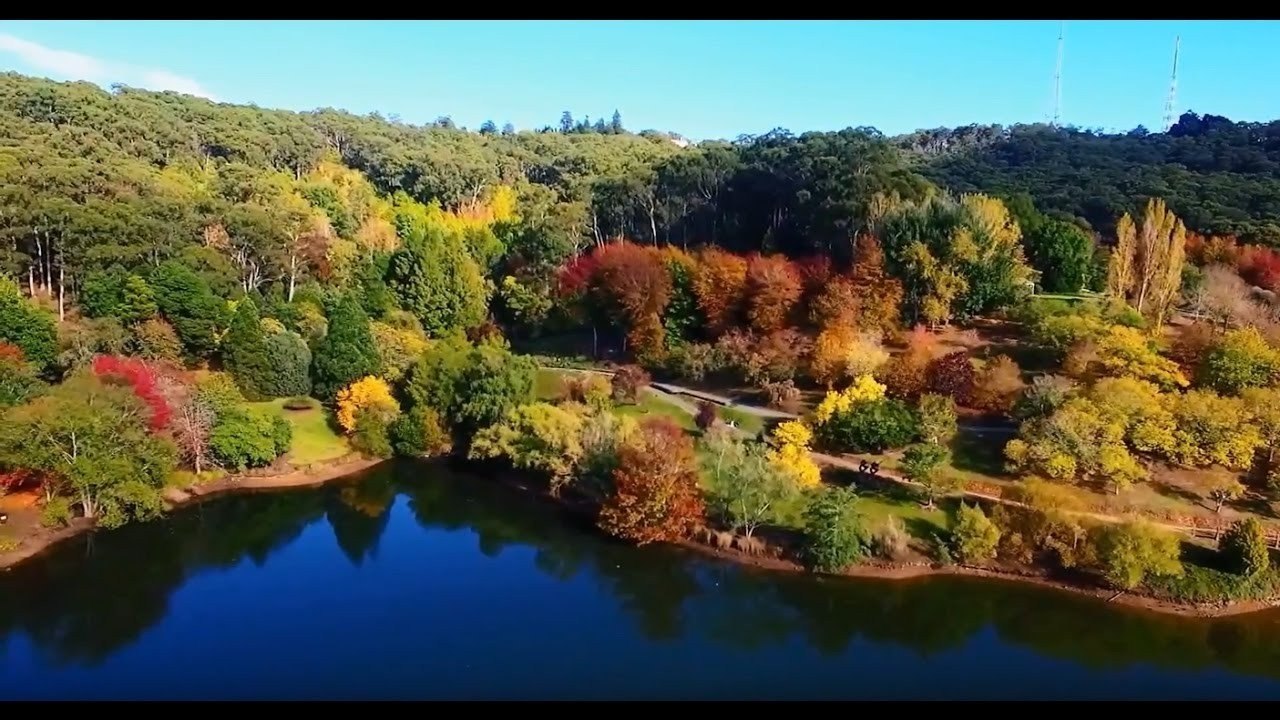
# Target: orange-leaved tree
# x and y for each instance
(632, 282)
(719, 284)
(368, 394)
(656, 496)
(773, 288)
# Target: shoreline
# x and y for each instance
(44, 539)
(879, 570)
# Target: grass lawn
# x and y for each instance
(745, 420)
(547, 383)
(313, 439)
(651, 404)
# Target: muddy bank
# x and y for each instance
(38, 539)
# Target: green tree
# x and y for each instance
(189, 305)
(244, 351)
(926, 464)
(1131, 551)
(937, 418)
(472, 386)
(101, 291)
(743, 488)
(137, 301)
(540, 436)
(347, 352)
(289, 365)
(834, 534)
(975, 537)
(1064, 255)
(245, 438)
(18, 380)
(92, 440)
(1244, 547)
(872, 427)
(420, 433)
(26, 326)
(434, 277)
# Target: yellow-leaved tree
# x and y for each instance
(369, 394)
(790, 453)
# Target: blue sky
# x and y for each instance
(702, 79)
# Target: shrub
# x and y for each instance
(366, 396)
(371, 435)
(782, 395)
(299, 403)
(1244, 547)
(953, 375)
(706, 416)
(288, 365)
(587, 388)
(1240, 359)
(833, 537)
(56, 512)
(243, 439)
(627, 383)
(974, 536)
(1132, 551)
(420, 433)
(891, 541)
(871, 427)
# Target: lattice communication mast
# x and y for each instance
(1173, 86)
(1057, 79)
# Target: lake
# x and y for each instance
(412, 580)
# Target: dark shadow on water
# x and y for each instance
(89, 599)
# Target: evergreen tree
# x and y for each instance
(244, 351)
(615, 125)
(137, 301)
(347, 352)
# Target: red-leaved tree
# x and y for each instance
(656, 496)
(633, 283)
(952, 375)
(142, 378)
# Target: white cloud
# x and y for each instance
(69, 65)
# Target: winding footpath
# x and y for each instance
(677, 394)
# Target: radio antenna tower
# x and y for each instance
(1173, 86)
(1057, 79)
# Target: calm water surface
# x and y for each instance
(414, 581)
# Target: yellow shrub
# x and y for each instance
(366, 394)
(864, 389)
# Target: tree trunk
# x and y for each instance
(62, 313)
(31, 280)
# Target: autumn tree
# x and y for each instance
(1224, 490)
(998, 385)
(632, 282)
(1146, 265)
(773, 288)
(1240, 359)
(719, 283)
(835, 304)
(878, 295)
(192, 422)
(952, 375)
(937, 418)
(655, 496)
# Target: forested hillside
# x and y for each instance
(1222, 178)
(89, 178)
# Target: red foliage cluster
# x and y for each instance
(1258, 265)
(952, 375)
(140, 376)
(21, 479)
(575, 276)
(656, 496)
(11, 353)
